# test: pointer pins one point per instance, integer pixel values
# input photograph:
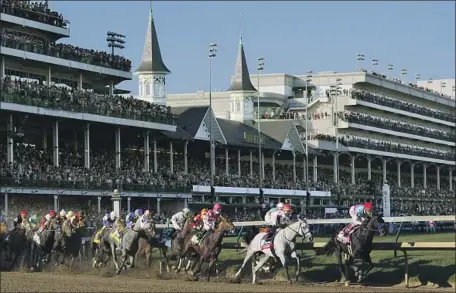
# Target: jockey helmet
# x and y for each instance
(217, 208)
(280, 206)
(368, 206)
(63, 213)
(51, 213)
(23, 213)
(186, 212)
(70, 214)
(2, 219)
(287, 208)
(138, 212)
(113, 215)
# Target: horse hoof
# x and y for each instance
(118, 272)
(290, 282)
(347, 284)
(56, 264)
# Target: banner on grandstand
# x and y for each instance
(386, 201)
(255, 191)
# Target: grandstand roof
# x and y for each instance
(240, 82)
(235, 131)
(152, 60)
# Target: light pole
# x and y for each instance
(260, 67)
(374, 63)
(442, 85)
(403, 73)
(308, 79)
(212, 55)
(390, 68)
(115, 40)
(334, 92)
(359, 57)
(417, 77)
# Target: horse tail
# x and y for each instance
(328, 249)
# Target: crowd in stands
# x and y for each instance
(378, 122)
(385, 146)
(36, 11)
(65, 98)
(34, 44)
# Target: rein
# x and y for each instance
(296, 232)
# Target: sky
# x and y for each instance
(293, 37)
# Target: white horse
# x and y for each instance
(284, 245)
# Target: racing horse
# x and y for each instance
(208, 247)
(128, 244)
(357, 252)
(41, 245)
(282, 246)
(68, 242)
(17, 242)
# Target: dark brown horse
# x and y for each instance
(208, 248)
(68, 242)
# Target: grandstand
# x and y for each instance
(70, 137)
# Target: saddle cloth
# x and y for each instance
(267, 242)
(199, 236)
(345, 234)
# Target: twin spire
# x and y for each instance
(240, 82)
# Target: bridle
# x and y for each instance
(299, 231)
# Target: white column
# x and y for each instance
(262, 165)
(315, 168)
(186, 203)
(6, 204)
(171, 157)
(128, 204)
(451, 179)
(75, 141)
(425, 176)
(438, 177)
(117, 142)
(99, 205)
(55, 139)
(399, 173)
(353, 175)
(2, 68)
(251, 164)
(384, 161)
(10, 141)
(155, 156)
(273, 167)
(49, 76)
(304, 171)
(80, 81)
(239, 162)
(158, 205)
(186, 158)
(335, 167)
(294, 167)
(56, 203)
(111, 88)
(87, 146)
(227, 167)
(146, 152)
(412, 175)
(45, 139)
(369, 168)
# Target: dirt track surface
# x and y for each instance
(83, 282)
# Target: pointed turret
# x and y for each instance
(240, 82)
(152, 60)
(152, 71)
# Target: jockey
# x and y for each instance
(147, 216)
(19, 219)
(267, 217)
(138, 214)
(279, 218)
(130, 220)
(198, 222)
(45, 221)
(212, 216)
(107, 222)
(358, 214)
(178, 220)
(62, 216)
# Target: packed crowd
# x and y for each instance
(402, 105)
(36, 11)
(64, 98)
(365, 143)
(414, 85)
(363, 119)
(34, 44)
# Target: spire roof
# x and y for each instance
(240, 82)
(152, 60)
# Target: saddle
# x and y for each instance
(267, 242)
(199, 236)
(346, 234)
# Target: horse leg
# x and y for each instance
(132, 262)
(283, 260)
(114, 258)
(248, 256)
(72, 262)
(209, 269)
(258, 265)
(181, 259)
(347, 282)
(340, 266)
(298, 265)
(198, 266)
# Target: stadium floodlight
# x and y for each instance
(442, 85)
(212, 55)
(359, 57)
(260, 68)
(115, 40)
(390, 67)
(335, 90)
(374, 63)
(308, 79)
(417, 77)
(403, 73)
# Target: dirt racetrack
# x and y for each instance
(60, 281)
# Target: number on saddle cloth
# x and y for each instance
(199, 236)
(347, 233)
(267, 242)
